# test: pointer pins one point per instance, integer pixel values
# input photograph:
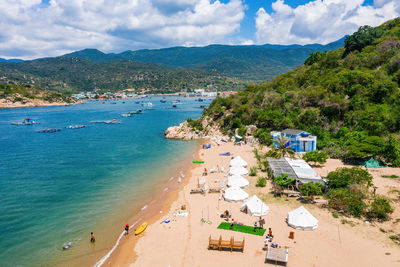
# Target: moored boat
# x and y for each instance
(75, 126)
(128, 114)
(26, 121)
(52, 130)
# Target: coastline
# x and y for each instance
(122, 252)
(36, 103)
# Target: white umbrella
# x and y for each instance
(238, 180)
(255, 207)
(235, 194)
(238, 170)
(238, 161)
(302, 219)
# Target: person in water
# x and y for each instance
(92, 238)
(127, 229)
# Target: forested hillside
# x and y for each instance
(73, 74)
(349, 98)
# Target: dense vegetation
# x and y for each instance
(18, 93)
(72, 74)
(349, 98)
(254, 63)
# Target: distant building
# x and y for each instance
(300, 141)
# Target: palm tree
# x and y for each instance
(283, 148)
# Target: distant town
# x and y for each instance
(133, 93)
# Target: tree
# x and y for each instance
(283, 180)
(316, 157)
(365, 35)
(281, 148)
(344, 177)
(392, 151)
(311, 189)
(314, 57)
(351, 203)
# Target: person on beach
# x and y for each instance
(205, 172)
(270, 233)
(232, 223)
(127, 229)
(255, 226)
(92, 238)
(261, 221)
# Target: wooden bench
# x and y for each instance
(227, 244)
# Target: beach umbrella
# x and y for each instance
(235, 194)
(255, 207)
(237, 180)
(301, 219)
(238, 162)
(238, 170)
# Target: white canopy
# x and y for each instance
(302, 219)
(238, 161)
(255, 207)
(238, 170)
(237, 180)
(235, 194)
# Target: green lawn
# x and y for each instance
(242, 228)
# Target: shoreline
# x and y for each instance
(35, 105)
(122, 253)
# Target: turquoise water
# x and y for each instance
(58, 187)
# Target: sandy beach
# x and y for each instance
(184, 241)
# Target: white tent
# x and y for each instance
(237, 180)
(238, 161)
(238, 170)
(255, 207)
(235, 194)
(302, 219)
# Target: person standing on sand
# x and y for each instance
(92, 238)
(127, 229)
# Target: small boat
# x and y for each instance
(114, 121)
(53, 130)
(148, 104)
(67, 246)
(200, 100)
(174, 106)
(141, 228)
(114, 103)
(26, 121)
(163, 101)
(139, 111)
(75, 126)
(128, 114)
(137, 102)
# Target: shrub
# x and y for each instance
(335, 214)
(380, 208)
(242, 131)
(316, 157)
(311, 189)
(261, 182)
(253, 171)
(365, 35)
(344, 177)
(349, 203)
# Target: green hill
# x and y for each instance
(349, 98)
(72, 74)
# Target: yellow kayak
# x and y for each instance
(141, 228)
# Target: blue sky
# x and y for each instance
(41, 28)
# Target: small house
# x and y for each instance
(300, 141)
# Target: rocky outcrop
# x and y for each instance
(184, 132)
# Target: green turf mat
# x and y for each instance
(242, 228)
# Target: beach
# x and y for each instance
(184, 240)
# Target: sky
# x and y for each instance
(44, 28)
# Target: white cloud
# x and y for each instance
(320, 21)
(29, 29)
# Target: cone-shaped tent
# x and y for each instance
(238, 170)
(302, 219)
(235, 194)
(237, 180)
(238, 161)
(255, 207)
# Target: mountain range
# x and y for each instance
(217, 67)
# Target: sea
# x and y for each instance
(56, 188)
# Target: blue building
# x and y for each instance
(300, 141)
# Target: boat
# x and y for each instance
(137, 102)
(139, 111)
(114, 121)
(148, 104)
(128, 114)
(163, 101)
(26, 121)
(141, 228)
(52, 130)
(200, 100)
(113, 103)
(75, 126)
